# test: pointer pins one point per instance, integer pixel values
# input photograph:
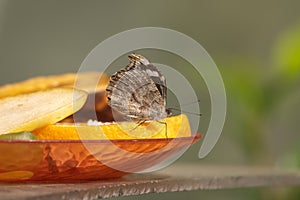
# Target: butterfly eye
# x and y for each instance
(169, 112)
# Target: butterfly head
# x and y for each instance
(159, 112)
(168, 112)
(136, 58)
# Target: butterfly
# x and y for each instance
(138, 91)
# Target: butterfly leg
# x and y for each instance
(138, 124)
(166, 125)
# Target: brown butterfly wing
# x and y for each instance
(133, 93)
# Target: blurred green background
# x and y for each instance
(256, 45)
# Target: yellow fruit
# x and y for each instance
(30, 111)
(177, 126)
(87, 81)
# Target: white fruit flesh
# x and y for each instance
(34, 110)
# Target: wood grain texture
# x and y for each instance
(171, 179)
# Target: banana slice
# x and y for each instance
(24, 135)
(87, 81)
(30, 111)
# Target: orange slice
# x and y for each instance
(28, 112)
(177, 126)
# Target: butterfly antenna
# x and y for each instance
(186, 104)
(198, 114)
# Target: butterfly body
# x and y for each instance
(138, 91)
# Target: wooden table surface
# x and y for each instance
(174, 178)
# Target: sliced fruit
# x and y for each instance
(177, 126)
(91, 82)
(18, 136)
(34, 110)
(85, 81)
